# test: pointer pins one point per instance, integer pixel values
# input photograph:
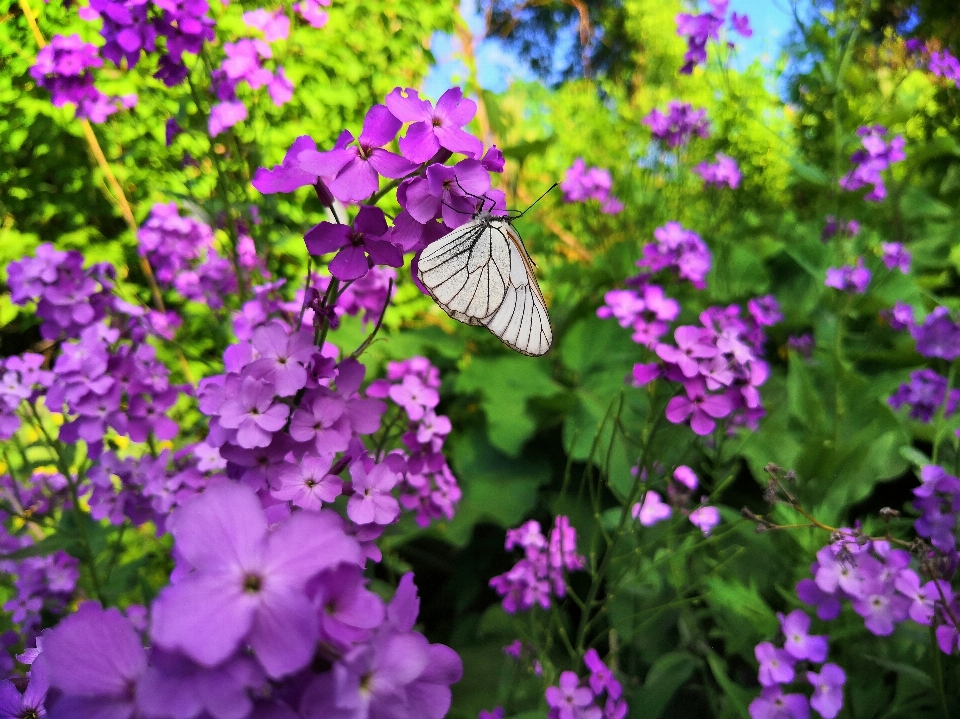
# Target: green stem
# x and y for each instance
(78, 513)
(650, 432)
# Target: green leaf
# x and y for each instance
(500, 488)
(914, 456)
(666, 676)
(47, 545)
(738, 696)
(505, 385)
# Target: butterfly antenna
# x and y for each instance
(538, 199)
(483, 198)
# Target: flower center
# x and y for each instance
(252, 583)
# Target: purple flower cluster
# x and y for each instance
(833, 227)
(646, 310)
(723, 172)
(925, 394)
(249, 609)
(599, 696)
(132, 27)
(21, 379)
(937, 336)
(147, 489)
(700, 29)
(877, 580)
(44, 583)
(945, 65)
(427, 485)
(679, 249)
(543, 567)
(181, 252)
(581, 183)
(653, 509)
(64, 69)
(895, 255)
(243, 65)
(719, 365)
(680, 123)
(434, 197)
(782, 666)
(876, 156)
(274, 25)
(310, 11)
(849, 278)
(69, 298)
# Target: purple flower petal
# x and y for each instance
(406, 105)
(326, 237)
(380, 127)
(356, 181)
(349, 264)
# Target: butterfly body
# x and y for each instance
(481, 274)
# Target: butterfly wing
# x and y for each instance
(466, 271)
(521, 322)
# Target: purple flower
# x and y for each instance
(827, 690)
(287, 176)
(310, 11)
(567, 699)
(699, 29)
(922, 598)
(828, 606)
(246, 585)
(433, 128)
(895, 255)
(724, 172)
(358, 247)
(876, 157)
(91, 682)
(372, 502)
(937, 336)
(652, 510)
(396, 673)
(774, 704)
(175, 686)
(225, 115)
(64, 69)
(776, 665)
(30, 704)
(702, 408)
(705, 519)
(283, 357)
(924, 394)
(798, 643)
(280, 88)
(741, 24)
(254, 414)
(308, 483)
(690, 347)
(274, 25)
(678, 248)
(348, 610)
(356, 167)
(849, 279)
(943, 64)
(171, 130)
(581, 184)
(450, 192)
(679, 125)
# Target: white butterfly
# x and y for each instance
(481, 274)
